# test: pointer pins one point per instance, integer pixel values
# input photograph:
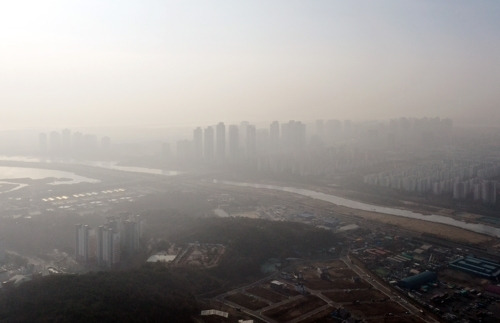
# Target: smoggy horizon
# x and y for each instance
(165, 63)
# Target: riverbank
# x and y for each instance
(438, 225)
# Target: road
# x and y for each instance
(386, 290)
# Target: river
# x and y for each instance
(10, 173)
(101, 164)
(341, 201)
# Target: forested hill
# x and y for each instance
(146, 295)
(155, 292)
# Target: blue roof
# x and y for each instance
(477, 266)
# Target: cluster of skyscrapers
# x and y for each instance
(103, 246)
(319, 148)
(234, 143)
(220, 143)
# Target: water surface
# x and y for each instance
(7, 174)
(341, 201)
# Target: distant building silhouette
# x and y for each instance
(293, 136)
(251, 142)
(54, 142)
(66, 141)
(208, 143)
(42, 143)
(166, 152)
(234, 141)
(198, 143)
(220, 145)
(274, 135)
(77, 142)
(184, 150)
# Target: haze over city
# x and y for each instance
(250, 161)
(108, 63)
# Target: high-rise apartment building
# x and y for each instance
(77, 142)
(489, 192)
(251, 141)
(293, 136)
(66, 141)
(132, 235)
(82, 243)
(108, 246)
(55, 142)
(42, 143)
(234, 142)
(220, 144)
(198, 143)
(208, 143)
(274, 135)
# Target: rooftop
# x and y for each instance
(477, 266)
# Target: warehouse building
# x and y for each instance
(477, 266)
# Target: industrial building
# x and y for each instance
(477, 266)
(414, 282)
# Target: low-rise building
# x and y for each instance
(477, 266)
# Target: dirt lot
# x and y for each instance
(266, 294)
(340, 277)
(396, 319)
(354, 295)
(375, 309)
(452, 276)
(294, 309)
(287, 292)
(332, 265)
(344, 283)
(246, 301)
(341, 273)
(323, 316)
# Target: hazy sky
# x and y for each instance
(70, 63)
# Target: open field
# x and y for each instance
(334, 264)
(350, 291)
(363, 295)
(246, 301)
(295, 309)
(341, 273)
(344, 283)
(287, 292)
(375, 309)
(395, 319)
(457, 277)
(323, 316)
(267, 294)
